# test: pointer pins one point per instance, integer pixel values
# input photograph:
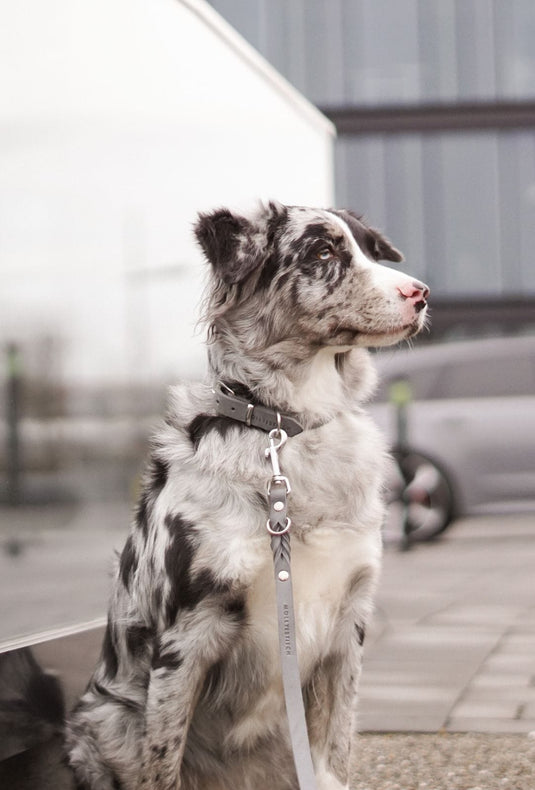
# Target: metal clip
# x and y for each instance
(277, 440)
(273, 449)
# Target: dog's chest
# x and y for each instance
(322, 570)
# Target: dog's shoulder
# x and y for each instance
(185, 401)
(189, 418)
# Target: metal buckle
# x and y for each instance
(224, 388)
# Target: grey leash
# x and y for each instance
(278, 526)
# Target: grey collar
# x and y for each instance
(254, 415)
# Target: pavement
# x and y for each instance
(451, 647)
(55, 564)
(448, 685)
(453, 642)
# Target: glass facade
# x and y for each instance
(459, 203)
(461, 206)
(343, 52)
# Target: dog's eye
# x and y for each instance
(325, 254)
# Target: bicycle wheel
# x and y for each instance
(426, 492)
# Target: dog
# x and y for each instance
(188, 691)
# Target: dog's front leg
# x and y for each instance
(331, 694)
(174, 685)
(182, 657)
(331, 701)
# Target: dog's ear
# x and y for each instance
(381, 249)
(370, 240)
(228, 243)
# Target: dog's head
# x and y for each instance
(313, 275)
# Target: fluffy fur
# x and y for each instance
(188, 692)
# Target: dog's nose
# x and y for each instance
(414, 290)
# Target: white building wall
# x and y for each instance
(119, 120)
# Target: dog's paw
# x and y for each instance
(326, 780)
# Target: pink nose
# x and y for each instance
(414, 290)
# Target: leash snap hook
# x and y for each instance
(277, 440)
(276, 434)
(274, 447)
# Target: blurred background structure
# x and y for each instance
(434, 105)
(120, 119)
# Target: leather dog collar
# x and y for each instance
(254, 415)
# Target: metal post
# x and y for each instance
(13, 398)
(400, 397)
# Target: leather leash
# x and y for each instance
(278, 526)
(280, 426)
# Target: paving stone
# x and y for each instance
(485, 709)
(500, 694)
(520, 642)
(490, 681)
(485, 614)
(508, 662)
(412, 674)
(401, 693)
(400, 722)
(490, 725)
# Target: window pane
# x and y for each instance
(515, 48)
(461, 207)
(471, 216)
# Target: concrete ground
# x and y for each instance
(453, 642)
(448, 689)
(55, 564)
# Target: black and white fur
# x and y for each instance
(188, 692)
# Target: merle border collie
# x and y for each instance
(188, 691)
